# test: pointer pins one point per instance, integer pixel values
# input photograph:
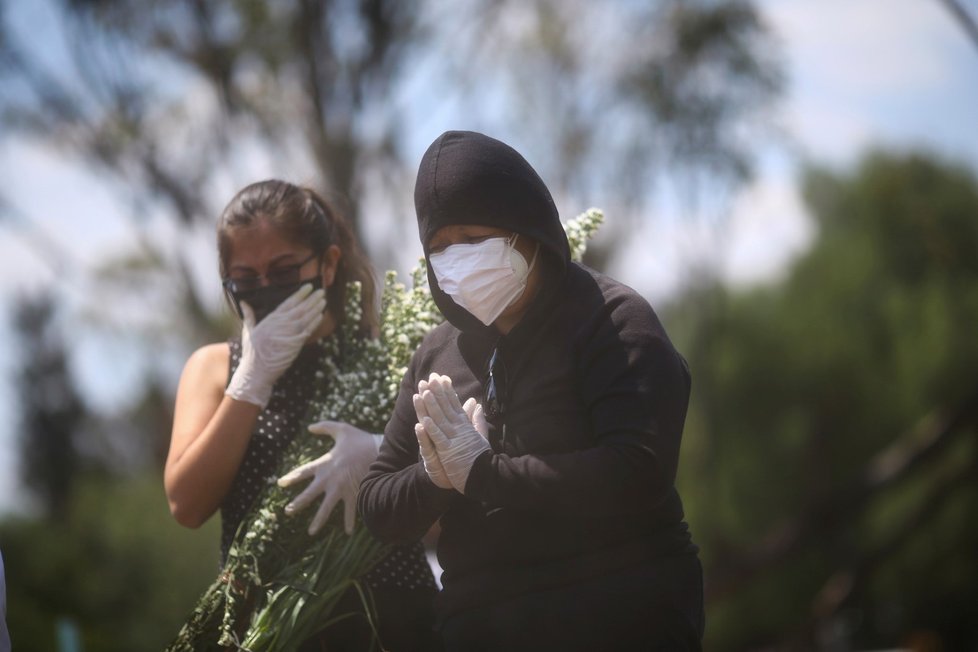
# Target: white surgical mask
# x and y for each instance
(484, 277)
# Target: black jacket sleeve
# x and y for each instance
(635, 387)
(397, 500)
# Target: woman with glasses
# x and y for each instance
(540, 426)
(286, 258)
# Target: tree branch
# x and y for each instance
(934, 433)
(964, 19)
(848, 580)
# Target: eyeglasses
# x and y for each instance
(283, 275)
(495, 386)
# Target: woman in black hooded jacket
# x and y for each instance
(561, 527)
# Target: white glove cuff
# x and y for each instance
(240, 390)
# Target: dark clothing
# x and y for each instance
(401, 583)
(582, 485)
(275, 429)
(401, 612)
(577, 492)
(653, 606)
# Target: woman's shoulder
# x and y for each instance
(208, 364)
(210, 354)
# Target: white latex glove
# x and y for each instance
(432, 464)
(336, 475)
(457, 442)
(270, 346)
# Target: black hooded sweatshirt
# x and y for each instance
(580, 479)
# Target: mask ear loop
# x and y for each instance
(533, 260)
(529, 268)
(234, 302)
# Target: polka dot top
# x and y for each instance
(405, 567)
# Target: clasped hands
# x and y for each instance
(450, 435)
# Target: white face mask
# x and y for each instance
(484, 277)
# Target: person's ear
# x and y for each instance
(331, 261)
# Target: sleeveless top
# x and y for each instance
(404, 567)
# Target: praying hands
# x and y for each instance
(451, 435)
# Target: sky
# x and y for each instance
(898, 74)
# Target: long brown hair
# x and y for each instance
(303, 217)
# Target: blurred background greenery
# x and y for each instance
(830, 461)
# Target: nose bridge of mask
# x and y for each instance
(265, 299)
(491, 254)
(464, 257)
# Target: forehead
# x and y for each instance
(259, 244)
(455, 233)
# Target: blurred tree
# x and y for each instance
(116, 569)
(616, 95)
(831, 477)
(51, 410)
(176, 104)
(964, 18)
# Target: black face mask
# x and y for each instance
(265, 299)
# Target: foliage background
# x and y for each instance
(829, 459)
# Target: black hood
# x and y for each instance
(469, 178)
